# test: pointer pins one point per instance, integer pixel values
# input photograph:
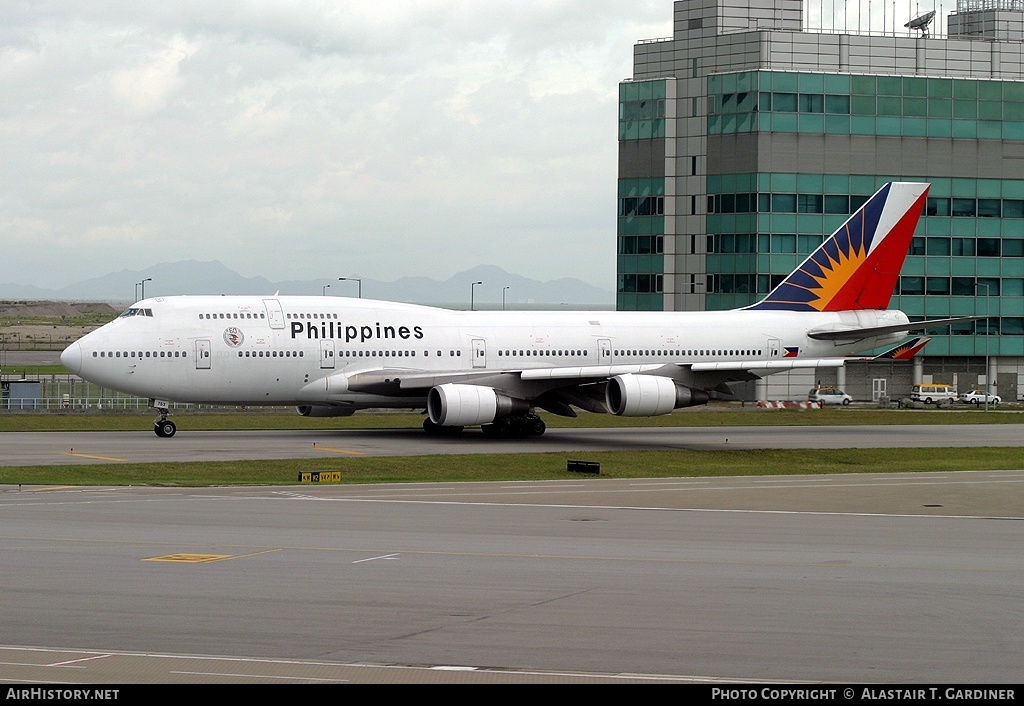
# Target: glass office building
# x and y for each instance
(745, 138)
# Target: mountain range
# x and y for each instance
(194, 277)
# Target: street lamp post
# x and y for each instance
(472, 291)
(323, 291)
(503, 297)
(358, 282)
(988, 383)
(137, 291)
(143, 283)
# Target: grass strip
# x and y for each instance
(523, 467)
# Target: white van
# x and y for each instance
(933, 393)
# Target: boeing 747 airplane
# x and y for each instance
(331, 356)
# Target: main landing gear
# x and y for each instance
(162, 426)
(506, 428)
(515, 427)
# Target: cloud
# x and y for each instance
(291, 139)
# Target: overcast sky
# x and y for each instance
(295, 139)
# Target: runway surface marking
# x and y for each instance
(184, 558)
(68, 663)
(337, 451)
(285, 664)
(272, 677)
(96, 458)
(376, 558)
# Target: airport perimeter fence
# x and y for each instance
(71, 393)
(35, 342)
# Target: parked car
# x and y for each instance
(828, 395)
(977, 397)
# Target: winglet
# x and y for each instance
(857, 267)
(904, 351)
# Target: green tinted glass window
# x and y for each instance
(862, 105)
(965, 109)
(890, 86)
(784, 102)
(915, 106)
(837, 105)
(864, 85)
(940, 88)
(811, 103)
(965, 89)
(915, 87)
(785, 82)
(990, 110)
(990, 90)
(890, 105)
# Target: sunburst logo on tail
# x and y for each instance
(905, 351)
(851, 269)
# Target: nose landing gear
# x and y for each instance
(162, 426)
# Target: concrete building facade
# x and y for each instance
(744, 139)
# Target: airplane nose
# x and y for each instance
(71, 358)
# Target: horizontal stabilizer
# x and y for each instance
(855, 334)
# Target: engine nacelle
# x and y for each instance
(324, 410)
(649, 395)
(452, 405)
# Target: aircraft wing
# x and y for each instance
(409, 380)
(391, 380)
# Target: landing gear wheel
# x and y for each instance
(164, 428)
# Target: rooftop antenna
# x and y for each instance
(922, 22)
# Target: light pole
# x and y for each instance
(987, 324)
(358, 282)
(323, 291)
(472, 291)
(137, 291)
(143, 283)
(503, 298)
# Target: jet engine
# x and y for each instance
(454, 405)
(649, 395)
(324, 410)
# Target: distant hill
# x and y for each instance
(194, 277)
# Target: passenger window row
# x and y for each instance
(543, 352)
(311, 316)
(687, 353)
(236, 315)
(271, 354)
(140, 354)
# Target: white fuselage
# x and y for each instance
(299, 350)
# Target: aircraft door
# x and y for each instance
(774, 348)
(203, 354)
(274, 313)
(604, 351)
(479, 353)
(327, 353)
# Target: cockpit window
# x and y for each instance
(136, 311)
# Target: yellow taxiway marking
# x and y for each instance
(203, 558)
(189, 558)
(338, 451)
(98, 458)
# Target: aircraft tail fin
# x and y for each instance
(857, 266)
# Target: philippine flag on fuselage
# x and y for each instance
(791, 352)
